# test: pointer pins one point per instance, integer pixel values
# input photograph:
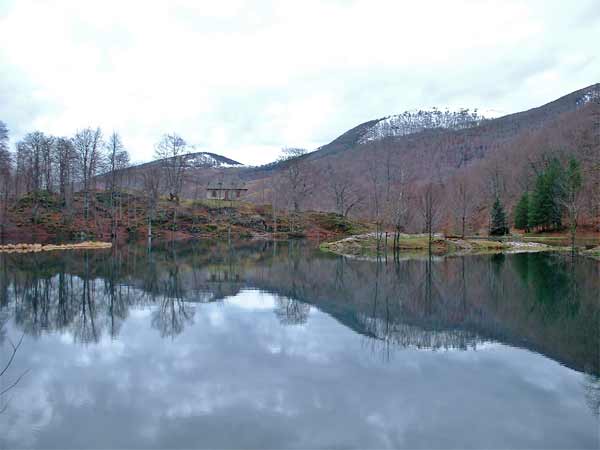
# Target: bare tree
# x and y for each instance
(400, 210)
(65, 162)
(151, 180)
(463, 203)
(5, 176)
(117, 161)
(377, 191)
(170, 150)
(47, 163)
(297, 171)
(5, 187)
(429, 208)
(3, 137)
(87, 144)
(343, 187)
(32, 156)
(29, 151)
(296, 183)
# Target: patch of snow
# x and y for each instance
(203, 159)
(589, 96)
(491, 113)
(410, 122)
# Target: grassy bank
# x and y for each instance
(366, 245)
(48, 220)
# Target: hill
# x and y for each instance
(413, 122)
(417, 148)
(446, 148)
(378, 170)
(200, 160)
(45, 219)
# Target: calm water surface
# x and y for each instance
(262, 345)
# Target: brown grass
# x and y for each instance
(34, 248)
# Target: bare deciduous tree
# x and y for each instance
(462, 204)
(345, 192)
(5, 175)
(377, 190)
(3, 137)
(151, 180)
(429, 208)
(117, 161)
(65, 162)
(87, 144)
(32, 158)
(296, 182)
(170, 150)
(297, 171)
(399, 210)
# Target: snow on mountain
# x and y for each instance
(410, 122)
(593, 94)
(207, 159)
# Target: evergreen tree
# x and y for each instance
(499, 226)
(572, 184)
(522, 213)
(546, 202)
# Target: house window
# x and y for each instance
(214, 193)
(238, 194)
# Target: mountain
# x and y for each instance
(449, 148)
(409, 122)
(412, 122)
(201, 160)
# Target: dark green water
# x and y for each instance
(260, 345)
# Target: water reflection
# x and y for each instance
(544, 302)
(271, 340)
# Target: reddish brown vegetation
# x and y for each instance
(50, 221)
(499, 157)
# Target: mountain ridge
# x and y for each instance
(568, 102)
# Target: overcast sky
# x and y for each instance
(245, 78)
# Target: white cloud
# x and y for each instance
(245, 78)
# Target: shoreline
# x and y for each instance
(411, 246)
(35, 248)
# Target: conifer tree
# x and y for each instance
(546, 202)
(572, 184)
(522, 213)
(499, 225)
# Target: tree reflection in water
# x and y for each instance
(592, 392)
(290, 311)
(543, 302)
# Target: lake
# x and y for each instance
(279, 345)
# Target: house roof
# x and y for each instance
(226, 184)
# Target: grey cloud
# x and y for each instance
(185, 69)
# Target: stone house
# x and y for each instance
(225, 190)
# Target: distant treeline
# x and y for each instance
(67, 172)
(43, 164)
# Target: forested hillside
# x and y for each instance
(453, 171)
(459, 170)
